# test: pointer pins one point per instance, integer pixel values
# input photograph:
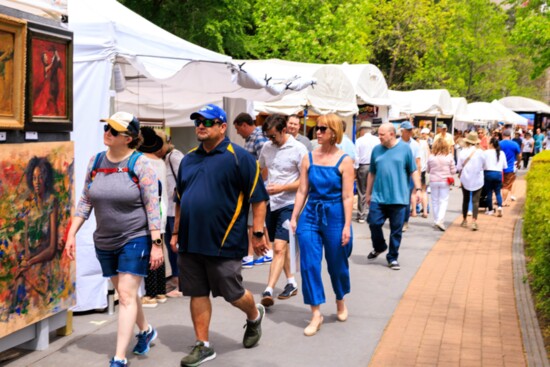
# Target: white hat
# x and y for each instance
(425, 131)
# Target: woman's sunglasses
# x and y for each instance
(322, 129)
(206, 122)
(113, 131)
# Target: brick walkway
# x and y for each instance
(460, 308)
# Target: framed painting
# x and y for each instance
(49, 79)
(37, 279)
(12, 72)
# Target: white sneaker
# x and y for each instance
(469, 213)
(499, 211)
(513, 198)
(490, 212)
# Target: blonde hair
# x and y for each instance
(440, 146)
(335, 124)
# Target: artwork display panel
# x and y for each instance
(37, 279)
(12, 72)
(49, 94)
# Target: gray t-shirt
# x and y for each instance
(121, 213)
(304, 140)
(283, 164)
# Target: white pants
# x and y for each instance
(440, 199)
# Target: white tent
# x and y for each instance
(165, 76)
(420, 102)
(509, 115)
(523, 104)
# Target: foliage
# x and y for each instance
(536, 232)
(327, 31)
(476, 49)
(220, 26)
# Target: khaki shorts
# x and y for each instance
(509, 179)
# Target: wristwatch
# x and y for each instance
(157, 242)
(258, 234)
(418, 189)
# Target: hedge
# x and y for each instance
(536, 233)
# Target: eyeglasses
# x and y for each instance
(270, 137)
(206, 122)
(322, 129)
(113, 131)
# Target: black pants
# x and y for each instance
(525, 157)
(466, 201)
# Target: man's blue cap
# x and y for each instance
(210, 111)
(406, 125)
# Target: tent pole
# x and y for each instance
(305, 121)
(354, 130)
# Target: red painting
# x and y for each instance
(49, 83)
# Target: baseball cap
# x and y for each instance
(210, 111)
(406, 125)
(442, 125)
(425, 131)
(124, 122)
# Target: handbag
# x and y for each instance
(450, 180)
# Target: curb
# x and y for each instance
(530, 329)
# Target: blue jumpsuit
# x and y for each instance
(320, 225)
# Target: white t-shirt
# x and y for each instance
(491, 163)
(528, 145)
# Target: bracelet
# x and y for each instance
(417, 189)
(174, 234)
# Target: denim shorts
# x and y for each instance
(132, 258)
(275, 220)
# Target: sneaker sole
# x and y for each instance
(293, 293)
(395, 267)
(209, 358)
(267, 301)
(149, 305)
(247, 266)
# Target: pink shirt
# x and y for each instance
(440, 167)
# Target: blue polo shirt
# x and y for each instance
(215, 190)
(511, 150)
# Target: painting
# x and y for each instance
(37, 279)
(12, 72)
(49, 90)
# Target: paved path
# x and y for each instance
(450, 304)
(460, 308)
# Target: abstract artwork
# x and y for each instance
(12, 72)
(37, 279)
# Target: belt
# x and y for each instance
(364, 164)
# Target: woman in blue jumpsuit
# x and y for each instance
(325, 222)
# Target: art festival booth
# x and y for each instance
(124, 62)
(487, 115)
(353, 92)
(426, 106)
(536, 112)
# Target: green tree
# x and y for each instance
(326, 31)
(221, 26)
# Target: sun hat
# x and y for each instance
(365, 125)
(442, 125)
(472, 138)
(123, 122)
(210, 111)
(151, 141)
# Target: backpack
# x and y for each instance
(129, 168)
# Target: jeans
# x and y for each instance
(440, 199)
(378, 213)
(493, 182)
(408, 209)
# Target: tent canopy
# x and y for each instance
(164, 76)
(484, 112)
(523, 104)
(338, 89)
(420, 102)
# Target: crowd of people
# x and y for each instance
(222, 208)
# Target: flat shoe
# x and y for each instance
(342, 316)
(311, 330)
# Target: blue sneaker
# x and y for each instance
(144, 341)
(263, 260)
(247, 264)
(114, 363)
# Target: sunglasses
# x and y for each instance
(113, 131)
(271, 137)
(322, 129)
(206, 122)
